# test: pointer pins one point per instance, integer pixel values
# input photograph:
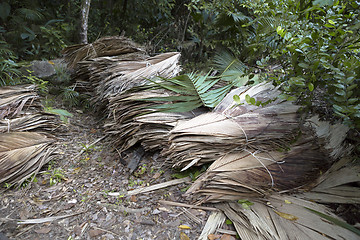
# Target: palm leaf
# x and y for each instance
(23, 154)
(132, 120)
(231, 127)
(29, 14)
(13, 99)
(225, 60)
(284, 217)
(30, 122)
(108, 76)
(194, 90)
(106, 46)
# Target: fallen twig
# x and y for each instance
(153, 187)
(44, 220)
(178, 204)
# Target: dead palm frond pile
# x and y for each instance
(147, 113)
(268, 165)
(106, 46)
(133, 120)
(299, 216)
(22, 154)
(254, 149)
(113, 70)
(124, 75)
(21, 110)
(229, 128)
(13, 99)
(22, 150)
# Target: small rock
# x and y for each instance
(147, 222)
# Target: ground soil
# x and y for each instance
(86, 183)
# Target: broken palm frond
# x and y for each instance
(284, 217)
(45, 220)
(106, 46)
(158, 186)
(13, 99)
(131, 119)
(22, 154)
(215, 220)
(231, 127)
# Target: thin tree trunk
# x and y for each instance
(85, 7)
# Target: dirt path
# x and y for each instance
(79, 185)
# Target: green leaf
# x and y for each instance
(311, 87)
(247, 98)
(351, 87)
(339, 108)
(237, 99)
(299, 81)
(352, 100)
(329, 25)
(61, 112)
(340, 92)
(228, 222)
(304, 65)
(245, 203)
(252, 101)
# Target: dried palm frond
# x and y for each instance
(28, 122)
(111, 76)
(127, 74)
(23, 154)
(340, 184)
(231, 127)
(282, 217)
(21, 110)
(253, 173)
(131, 119)
(106, 46)
(13, 99)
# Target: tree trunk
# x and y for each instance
(85, 7)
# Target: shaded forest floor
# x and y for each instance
(79, 185)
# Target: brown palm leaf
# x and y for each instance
(282, 217)
(23, 154)
(111, 76)
(131, 120)
(13, 99)
(127, 74)
(251, 172)
(232, 127)
(106, 46)
(30, 122)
